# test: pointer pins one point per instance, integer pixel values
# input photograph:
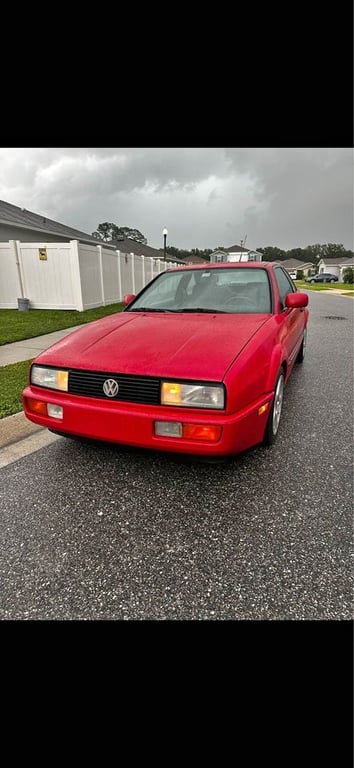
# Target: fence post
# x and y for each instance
(101, 273)
(151, 262)
(120, 297)
(143, 269)
(16, 246)
(76, 276)
(133, 271)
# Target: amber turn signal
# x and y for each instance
(201, 432)
(36, 406)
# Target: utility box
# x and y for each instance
(23, 305)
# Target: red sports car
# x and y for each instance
(196, 363)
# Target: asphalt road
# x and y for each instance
(95, 532)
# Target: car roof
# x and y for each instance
(225, 265)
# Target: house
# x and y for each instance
(235, 253)
(47, 265)
(295, 265)
(127, 245)
(335, 265)
(19, 224)
(194, 259)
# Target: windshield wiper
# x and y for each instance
(181, 309)
(151, 309)
(203, 309)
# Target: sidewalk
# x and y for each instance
(340, 292)
(17, 427)
(26, 350)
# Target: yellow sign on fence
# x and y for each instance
(42, 254)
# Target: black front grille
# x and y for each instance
(132, 389)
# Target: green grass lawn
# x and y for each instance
(17, 326)
(13, 379)
(324, 286)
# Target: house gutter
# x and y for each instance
(18, 265)
(87, 239)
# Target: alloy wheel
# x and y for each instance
(278, 404)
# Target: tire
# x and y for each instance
(332, 281)
(312, 281)
(302, 350)
(272, 428)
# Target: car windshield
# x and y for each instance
(235, 290)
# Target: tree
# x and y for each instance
(181, 253)
(332, 250)
(348, 275)
(178, 253)
(108, 231)
(204, 253)
(295, 253)
(335, 250)
(312, 253)
(133, 234)
(272, 253)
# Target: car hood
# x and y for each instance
(187, 346)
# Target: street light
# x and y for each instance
(165, 233)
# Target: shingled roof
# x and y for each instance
(140, 249)
(338, 261)
(295, 264)
(235, 249)
(21, 217)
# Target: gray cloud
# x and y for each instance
(204, 196)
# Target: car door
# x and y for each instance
(292, 325)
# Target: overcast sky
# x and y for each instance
(205, 197)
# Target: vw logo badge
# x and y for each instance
(110, 387)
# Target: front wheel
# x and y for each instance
(273, 422)
(332, 281)
(312, 281)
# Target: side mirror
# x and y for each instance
(296, 300)
(128, 299)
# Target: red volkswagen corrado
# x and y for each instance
(196, 363)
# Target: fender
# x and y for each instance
(276, 361)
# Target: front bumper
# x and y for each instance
(133, 425)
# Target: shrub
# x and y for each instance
(348, 275)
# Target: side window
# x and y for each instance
(284, 283)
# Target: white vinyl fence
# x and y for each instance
(71, 275)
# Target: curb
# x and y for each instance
(16, 427)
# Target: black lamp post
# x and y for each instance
(165, 233)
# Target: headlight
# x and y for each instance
(192, 395)
(50, 378)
